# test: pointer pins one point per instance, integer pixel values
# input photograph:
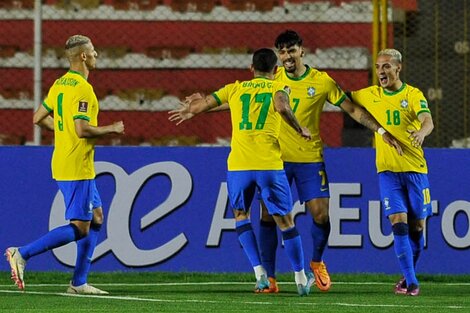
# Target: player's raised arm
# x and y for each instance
(200, 105)
(182, 113)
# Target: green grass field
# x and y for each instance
(197, 292)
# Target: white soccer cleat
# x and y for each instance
(17, 265)
(85, 289)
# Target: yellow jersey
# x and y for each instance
(398, 113)
(71, 97)
(255, 124)
(307, 98)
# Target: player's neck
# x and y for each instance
(395, 86)
(80, 68)
(299, 71)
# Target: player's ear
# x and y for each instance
(302, 53)
(275, 69)
(252, 68)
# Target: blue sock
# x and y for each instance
(247, 238)
(320, 234)
(55, 238)
(293, 246)
(268, 245)
(85, 248)
(417, 245)
(404, 252)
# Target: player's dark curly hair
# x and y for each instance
(264, 60)
(288, 39)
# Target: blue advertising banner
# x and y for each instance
(166, 209)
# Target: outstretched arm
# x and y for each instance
(182, 113)
(362, 116)
(203, 104)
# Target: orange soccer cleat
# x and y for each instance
(322, 278)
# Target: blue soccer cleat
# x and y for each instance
(262, 284)
(304, 290)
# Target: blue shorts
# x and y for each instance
(310, 179)
(273, 186)
(80, 197)
(406, 192)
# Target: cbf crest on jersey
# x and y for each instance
(311, 91)
(404, 104)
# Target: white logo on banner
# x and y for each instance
(119, 239)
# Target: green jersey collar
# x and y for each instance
(388, 93)
(75, 72)
(307, 71)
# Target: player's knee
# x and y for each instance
(400, 229)
(319, 210)
(417, 225)
(80, 230)
(321, 217)
(98, 216)
(240, 215)
(284, 222)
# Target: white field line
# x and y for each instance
(142, 299)
(341, 304)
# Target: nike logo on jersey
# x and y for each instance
(323, 189)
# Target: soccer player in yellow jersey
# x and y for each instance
(74, 106)
(404, 188)
(257, 108)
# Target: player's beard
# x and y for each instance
(290, 66)
(90, 66)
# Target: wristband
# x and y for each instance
(381, 131)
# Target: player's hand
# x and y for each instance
(182, 113)
(393, 142)
(305, 133)
(118, 127)
(416, 137)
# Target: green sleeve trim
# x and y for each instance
(81, 117)
(217, 99)
(341, 100)
(423, 111)
(46, 107)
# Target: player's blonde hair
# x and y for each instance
(75, 45)
(395, 54)
(76, 41)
